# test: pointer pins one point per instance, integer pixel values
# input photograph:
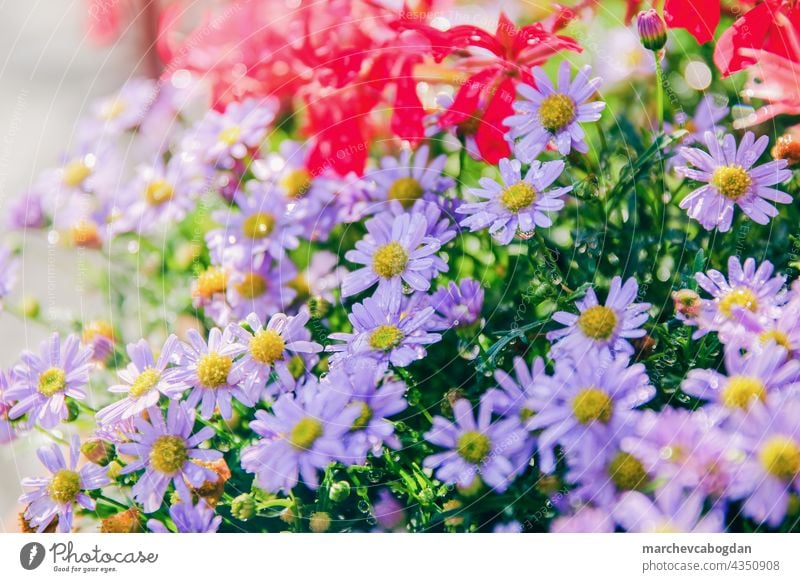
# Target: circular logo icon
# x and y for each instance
(31, 555)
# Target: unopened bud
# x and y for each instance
(124, 522)
(339, 491)
(652, 30)
(98, 451)
(318, 307)
(687, 303)
(243, 507)
(320, 522)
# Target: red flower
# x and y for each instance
(771, 26)
(486, 96)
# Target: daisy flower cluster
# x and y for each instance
(438, 288)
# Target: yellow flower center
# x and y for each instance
(252, 285)
(158, 191)
(230, 135)
(363, 418)
(168, 454)
(112, 108)
(305, 433)
(777, 336)
(52, 381)
(780, 456)
(740, 391)
(627, 472)
(301, 285)
(406, 191)
(97, 328)
(731, 181)
(526, 413)
(144, 382)
(296, 183)
(258, 225)
(385, 338)
(738, 297)
(556, 111)
(213, 369)
(267, 346)
(592, 404)
(474, 446)
(598, 322)
(75, 173)
(519, 196)
(213, 281)
(65, 486)
(390, 260)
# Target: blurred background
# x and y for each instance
(50, 69)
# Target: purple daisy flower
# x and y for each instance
(389, 512)
(8, 273)
(635, 512)
(771, 440)
(304, 433)
(517, 205)
(759, 330)
(590, 404)
(261, 225)
(42, 383)
(706, 117)
(55, 497)
(746, 288)
(163, 193)
(731, 180)
(27, 211)
(210, 370)
(144, 380)
(311, 198)
(586, 519)
(757, 375)
(605, 327)
(409, 178)
(375, 401)
(393, 252)
(224, 138)
(274, 346)
(458, 305)
(521, 396)
(321, 278)
(188, 518)
(124, 110)
(546, 114)
(166, 450)
(384, 333)
(687, 451)
(7, 431)
(475, 447)
(263, 287)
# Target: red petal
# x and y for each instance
(468, 97)
(104, 21)
(699, 18)
(749, 31)
(489, 137)
(408, 111)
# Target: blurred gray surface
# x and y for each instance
(49, 71)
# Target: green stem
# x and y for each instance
(659, 93)
(51, 435)
(112, 502)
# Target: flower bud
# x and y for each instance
(73, 411)
(687, 303)
(98, 451)
(318, 307)
(320, 522)
(211, 490)
(787, 147)
(339, 491)
(453, 505)
(123, 522)
(113, 470)
(288, 515)
(30, 307)
(243, 507)
(652, 30)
